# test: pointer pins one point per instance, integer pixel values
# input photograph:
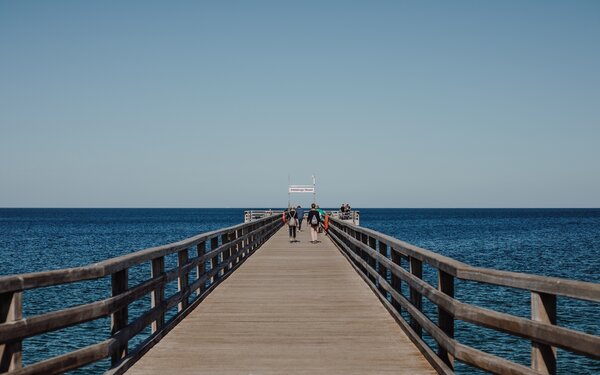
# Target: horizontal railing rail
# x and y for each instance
(254, 215)
(352, 215)
(219, 253)
(378, 258)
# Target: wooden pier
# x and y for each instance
(250, 302)
(292, 308)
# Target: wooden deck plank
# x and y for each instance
(290, 309)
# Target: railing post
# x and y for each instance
(255, 237)
(183, 279)
(229, 252)
(396, 281)
(214, 261)
(238, 247)
(543, 309)
(365, 256)
(371, 260)
(249, 240)
(445, 319)
(120, 317)
(201, 267)
(261, 235)
(359, 251)
(158, 294)
(244, 242)
(416, 268)
(348, 233)
(382, 270)
(224, 253)
(11, 309)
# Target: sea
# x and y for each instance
(550, 242)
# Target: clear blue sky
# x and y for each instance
(214, 104)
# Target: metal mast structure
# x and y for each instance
(302, 189)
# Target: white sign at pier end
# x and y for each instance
(301, 189)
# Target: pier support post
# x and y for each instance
(201, 267)
(365, 239)
(253, 239)
(416, 268)
(245, 243)
(214, 261)
(543, 309)
(382, 270)
(183, 279)
(396, 281)
(249, 240)
(11, 309)
(158, 294)
(120, 317)
(227, 237)
(239, 246)
(351, 233)
(359, 251)
(372, 263)
(445, 319)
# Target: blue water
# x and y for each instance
(552, 242)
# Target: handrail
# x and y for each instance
(553, 285)
(106, 267)
(378, 257)
(219, 253)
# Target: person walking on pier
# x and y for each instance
(300, 213)
(322, 215)
(292, 222)
(313, 220)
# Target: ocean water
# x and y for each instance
(551, 242)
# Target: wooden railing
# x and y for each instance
(219, 253)
(379, 259)
(352, 217)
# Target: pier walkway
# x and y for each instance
(292, 308)
(247, 301)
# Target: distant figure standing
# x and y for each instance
(345, 211)
(313, 220)
(300, 213)
(292, 222)
(342, 211)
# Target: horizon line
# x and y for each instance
(265, 207)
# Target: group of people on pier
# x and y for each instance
(293, 217)
(345, 211)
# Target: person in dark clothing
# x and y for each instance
(300, 213)
(292, 222)
(314, 218)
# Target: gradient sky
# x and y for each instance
(216, 103)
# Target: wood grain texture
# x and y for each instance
(11, 309)
(293, 308)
